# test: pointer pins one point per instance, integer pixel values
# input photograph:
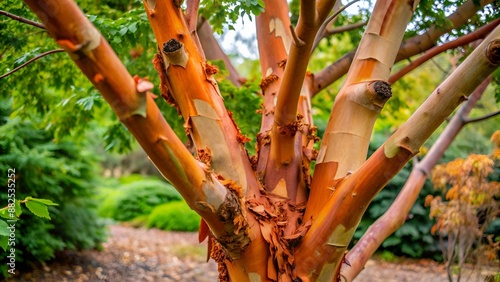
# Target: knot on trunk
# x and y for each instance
(493, 52)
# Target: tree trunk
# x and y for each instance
(267, 218)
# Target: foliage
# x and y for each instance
(135, 198)
(66, 103)
(471, 203)
(223, 13)
(243, 102)
(176, 216)
(13, 211)
(62, 172)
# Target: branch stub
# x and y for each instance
(173, 52)
(382, 89)
(493, 52)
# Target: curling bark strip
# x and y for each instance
(132, 103)
(332, 230)
(191, 84)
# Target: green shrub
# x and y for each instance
(107, 199)
(136, 198)
(175, 216)
(62, 172)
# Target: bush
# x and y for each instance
(175, 216)
(62, 172)
(136, 198)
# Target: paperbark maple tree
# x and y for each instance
(266, 216)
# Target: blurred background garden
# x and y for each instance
(67, 146)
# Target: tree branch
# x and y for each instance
(409, 48)
(31, 61)
(282, 145)
(198, 98)
(340, 29)
(192, 14)
(321, 31)
(396, 215)
(332, 230)
(463, 40)
(487, 116)
(21, 19)
(134, 105)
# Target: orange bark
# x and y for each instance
(130, 99)
(363, 95)
(255, 213)
(206, 118)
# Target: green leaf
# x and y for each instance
(3, 228)
(4, 241)
(43, 201)
(133, 27)
(123, 31)
(38, 209)
(19, 210)
(4, 213)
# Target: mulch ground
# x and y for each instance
(137, 254)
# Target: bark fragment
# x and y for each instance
(205, 156)
(266, 81)
(274, 216)
(231, 214)
(165, 93)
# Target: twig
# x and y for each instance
(322, 28)
(30, 61)
(344, 28)
(296, 40)
(466, 39)
(487, 116)
(21, 19)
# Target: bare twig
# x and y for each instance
(296, 40)
(463, 40)
(31, 61)
(340, 29)
(487, 116)
(322, 28)
(21, 19)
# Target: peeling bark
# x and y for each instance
(266, 218)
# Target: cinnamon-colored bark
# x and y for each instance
(255, 210)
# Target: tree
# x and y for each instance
(267, 216)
